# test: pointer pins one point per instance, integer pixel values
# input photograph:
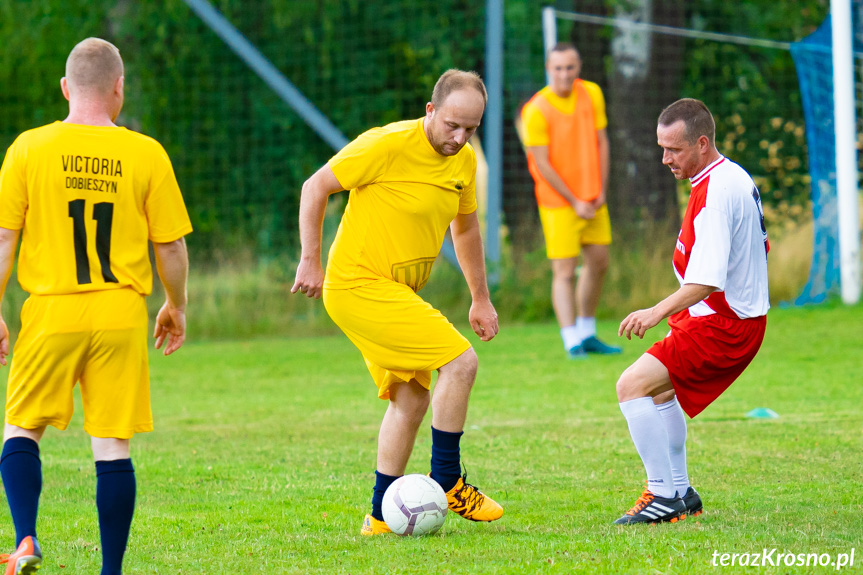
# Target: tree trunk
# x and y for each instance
(645, 77)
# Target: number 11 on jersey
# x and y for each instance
(103, 213)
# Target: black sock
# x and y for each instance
(381, 483)
(21, 470)
(115, 500)
(445, 459)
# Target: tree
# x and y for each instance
(644, 76)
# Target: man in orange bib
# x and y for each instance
(568, 156)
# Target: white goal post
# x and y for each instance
(846, 150)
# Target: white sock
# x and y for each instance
(651, 441)
(570, 337)
(586, 327)
(675, 426)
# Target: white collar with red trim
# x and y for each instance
(703, 173)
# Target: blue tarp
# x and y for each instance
(813, 58)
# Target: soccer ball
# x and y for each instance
(414, 505)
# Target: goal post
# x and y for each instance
(846, 150)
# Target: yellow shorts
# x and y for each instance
(400, 336)
(565, 232)
(98, 339)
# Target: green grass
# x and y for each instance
(263, 456)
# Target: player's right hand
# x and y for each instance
(638, 322)
(4, 342)
(585, 210)
(310, 279)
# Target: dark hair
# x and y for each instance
(453, 80)
(695, 116)
(563, 47)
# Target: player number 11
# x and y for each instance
(103, 213)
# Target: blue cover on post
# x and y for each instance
(813, 58)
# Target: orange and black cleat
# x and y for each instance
(691, 499)
(26, 560)
(651, 508)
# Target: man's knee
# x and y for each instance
(410, 400)
(629, 386)
(11, 431)
(564, 269)
(566, 275)
(417, 409)
(647, 377)
(463, 368)
(596, 258)
(599, 267)
(109, 448)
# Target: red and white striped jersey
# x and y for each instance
(723, 243)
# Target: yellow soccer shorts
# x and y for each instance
(97, 339)
(565, 232)
(400, 336)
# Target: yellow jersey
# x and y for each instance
(403, 196)
(568, 127)
(536, 125)
(88, 199)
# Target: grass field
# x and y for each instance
(263, 458)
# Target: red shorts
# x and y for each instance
(704, 355)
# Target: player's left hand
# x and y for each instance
(638, 322)
(4, 342)
(584, 210)
(483, 320)
(170, 325)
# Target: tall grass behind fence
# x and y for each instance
(245, 297)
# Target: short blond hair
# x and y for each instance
(453, 80)
(93, 66)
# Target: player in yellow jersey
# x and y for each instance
(408, 181)
(86, 196)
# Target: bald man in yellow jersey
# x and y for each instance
(408, 181)
(87, 196)
(564, 128)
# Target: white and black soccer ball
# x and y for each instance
(414, 505)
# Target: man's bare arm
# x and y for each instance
(540, 155)
(172, 263)
(8, 243)
(468, 248)
(638, 322)
(604, 166)
(313, 204)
